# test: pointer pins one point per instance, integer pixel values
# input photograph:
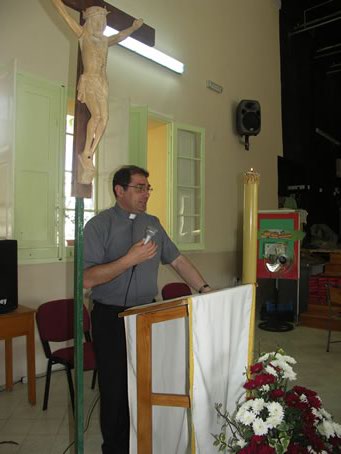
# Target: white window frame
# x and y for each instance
(188, 217)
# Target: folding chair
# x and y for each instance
(55, 324)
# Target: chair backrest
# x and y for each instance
(175, 290)
(55, 320)
(334, 294)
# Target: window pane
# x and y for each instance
(188, 172)
(188, 201)
(69, 124)
(188, 144)
(69, 225)
(69, 231)
(188, 229)
(68, 152)
(70, 201)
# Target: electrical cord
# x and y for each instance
(87, 421)
(128, 287)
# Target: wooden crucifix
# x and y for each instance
(91, 111)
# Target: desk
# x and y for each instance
(14, 324)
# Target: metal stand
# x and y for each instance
(78, 327)
(274, 323)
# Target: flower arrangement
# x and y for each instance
(275, 419)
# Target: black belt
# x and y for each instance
(109, 307)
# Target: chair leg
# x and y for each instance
(328, 340)
(72, 393)
(93, 382)
(47, 384)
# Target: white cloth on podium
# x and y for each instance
(220, 327)
(220, 333)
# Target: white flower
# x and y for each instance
(317, 415)
(263, 358)
(240, 441)
(247, 418)
(303, 398)
(326, 428)
(270, 370)
(276, 414)
(289, 359)
(264, 388)
(258, 405)
(275, 409)
(325, 414)
(240, 413)
(244, 415)
(273, 421)
(288, 372)
(243, 408)
(260, 427)
(337, 429)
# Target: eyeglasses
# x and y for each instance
(139, 187)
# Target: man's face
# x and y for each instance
(134, 198)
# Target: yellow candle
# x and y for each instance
(251, 183)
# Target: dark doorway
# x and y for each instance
(310, 33)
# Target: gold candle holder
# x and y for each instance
(251, 183)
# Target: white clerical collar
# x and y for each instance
(132, 216)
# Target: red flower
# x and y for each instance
(309, 418)
(264, 379)
(292, 399)
(302, 390)
(314, 401)
(335, 441)
(314, 440)
(296, 448)
(277, 393)
(256, 368)
(257, 439)
(251, 384)
(257, 449)
(264, 449)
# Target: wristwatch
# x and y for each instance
(202, 287)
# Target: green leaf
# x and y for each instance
(285, 442)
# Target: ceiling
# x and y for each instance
(319, 23)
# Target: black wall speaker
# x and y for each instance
(248, 118)
(8, 275)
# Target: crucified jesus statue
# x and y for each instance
(92, 87)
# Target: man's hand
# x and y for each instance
(100, 274)
(137, 24)
(141, 252)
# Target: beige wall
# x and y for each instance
(235, 43)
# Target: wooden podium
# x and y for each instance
(146, 316)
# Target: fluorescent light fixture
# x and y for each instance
(149, 52)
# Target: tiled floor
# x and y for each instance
(50, 432)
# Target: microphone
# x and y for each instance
(150, 232)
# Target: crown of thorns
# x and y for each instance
(94, 11)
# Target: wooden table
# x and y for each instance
(14, 324)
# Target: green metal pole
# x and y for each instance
(78, 327)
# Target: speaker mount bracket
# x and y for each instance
(245, 141)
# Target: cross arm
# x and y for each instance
(116, 19)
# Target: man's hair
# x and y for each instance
(124, 174)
